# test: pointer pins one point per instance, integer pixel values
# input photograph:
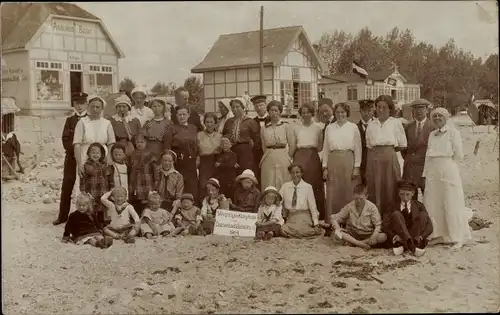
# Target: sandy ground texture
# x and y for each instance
(200, 275)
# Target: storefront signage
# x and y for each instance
(72, 27)
(13, 74)
(74, 56)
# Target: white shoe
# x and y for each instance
(398, 250)
(419, 252)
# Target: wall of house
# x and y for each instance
(62, 46)
(339, 92)
(234, 83)
(16, 78)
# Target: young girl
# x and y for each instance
(227, 165)
(97, 177)
(120, 168)
(187, 217)
(81, 227)
(269, 215)
(246, 197)
(142, 171)
(168, 182)
(154, 129)
(211, 203)
(155, 220)
(125, 223)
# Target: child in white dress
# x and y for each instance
(156, 221)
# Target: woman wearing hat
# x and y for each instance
(155, 128)
(225, 113)
(385, 136)
(140, 111)
(90, 129)
(243, 132)
(124, 125)
(444, 195)
(278, 143)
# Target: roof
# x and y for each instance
(379, 76)
(21, 21)
(277, 43)
(9, 106)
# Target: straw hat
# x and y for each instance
(271, 190)
(247, 174)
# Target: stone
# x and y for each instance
(359, 310)
(47, 200)
(431, 287)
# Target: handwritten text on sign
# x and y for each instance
(233, 223)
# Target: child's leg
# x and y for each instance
(94, 242)
(351, 240)
(177, 230)
(133, 231)
(109, 232)
(381, 238)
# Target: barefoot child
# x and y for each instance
(142, 171)
(120, 168)
(169, 183)
(213, 201)
(125, 223)
(362, 221)
(81, 227)
(269, 217)
(226, 163)
(246, 197)
(156, 221)
(187, 217)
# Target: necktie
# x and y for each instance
(419, 129)
(406, 214)
(294, 197)
(127, 128)
(364, 126)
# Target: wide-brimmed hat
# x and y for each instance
(420, 102)
(138, 90)
(271, 190)
(247, 174)
(187, 196)
(97, 97)
(213, 181)
(225, 102)
(123, 99)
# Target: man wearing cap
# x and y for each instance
(79, 104)
(262, 118)
(366, 109)
(182, 99)
(417, 135)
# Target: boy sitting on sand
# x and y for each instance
(362, 221)
(125, 223)
(187, 217)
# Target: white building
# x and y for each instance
(291, 65)
(52, 50)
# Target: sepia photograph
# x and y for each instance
(258, 157)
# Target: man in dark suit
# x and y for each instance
(79, 104)
(262, 118)
(417, 134)
(325, 110)
(182, 99)
(366, 109)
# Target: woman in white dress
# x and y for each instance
(342, 152)
(444, 195)
(140, 110)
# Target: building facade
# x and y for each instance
(352, 87)
(291, 68)
(50, 55)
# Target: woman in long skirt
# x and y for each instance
(125, 126)
(278, 144)
(299, 207)
(444, 195)
(309, 141)
(342, 152)
(209, 143)
(385, 136)
(154, 129)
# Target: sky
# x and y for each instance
(162, 41)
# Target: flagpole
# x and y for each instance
(261, 50)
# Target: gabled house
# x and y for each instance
(291, 66)
(52, 50)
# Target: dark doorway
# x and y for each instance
(296, 95)
(75, 81)
(394, 95)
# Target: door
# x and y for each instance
(75, 81)
(296, 95)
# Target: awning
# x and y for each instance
(9, 106)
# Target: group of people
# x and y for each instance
(140, 173)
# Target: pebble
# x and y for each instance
(431, 287)
(359, 310)
(47, 200)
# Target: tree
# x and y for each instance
(160, 88)
(127, 85)
(171, 86)
(196, 92)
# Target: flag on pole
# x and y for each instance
(356, 68)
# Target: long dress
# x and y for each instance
(383, 170)
(342, 152)
(125, 134)
(208, 147)
(244, 135)
(308, 143)
(154, 130)
(276, 142)
(444, 195)
(301, 216)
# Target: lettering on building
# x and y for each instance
(74, 27)
(13, 74)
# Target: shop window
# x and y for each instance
(49, 81)
(352, 93)
(304, 93)
(101, 80)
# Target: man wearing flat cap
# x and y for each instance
(79, 104)
(417, 135)
(262, 118)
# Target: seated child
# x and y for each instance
(120, 167)
(81, 227)
(125, 223)
(408, 224)
(362, 220)
(142, 172)
(269, 218)
(187, 217)
(226, 163)
(169, 183)
(155, 220)
(213, 201)
(246, 197)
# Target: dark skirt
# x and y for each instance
(207, 170)
(244, 152)
(187, 167)
(226, 177)
(308, 159)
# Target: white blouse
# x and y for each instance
(445, 142)
(144, 114)
(308, 136)
(88, 131)
(345, 137)
(305, 198)
(391, 132)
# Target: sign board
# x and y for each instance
(63, 26)
(234, 223)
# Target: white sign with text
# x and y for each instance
(233, 223)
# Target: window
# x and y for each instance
(352, 93)
(304, 93)
(285, 88)
(75, 67)
(101, 80)
(49, 80)
(368, 91)
(400, 95)
(296, 74)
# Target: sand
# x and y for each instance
(200, 275)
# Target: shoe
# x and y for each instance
(105, 242)
(129, 240)
(419, 252)
(398, 250)
(58, 221)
